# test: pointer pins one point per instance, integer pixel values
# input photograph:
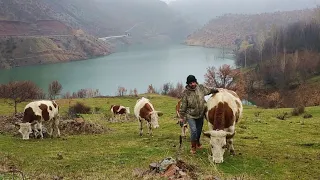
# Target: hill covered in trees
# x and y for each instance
(283, 67)
(228, 30)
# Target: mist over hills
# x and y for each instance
(205, 10)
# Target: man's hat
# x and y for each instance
(191, 78)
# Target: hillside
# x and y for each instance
(47, 31)
(45, 41)
(119, 152)
(205, 10)
(224, 31)
(102, 17)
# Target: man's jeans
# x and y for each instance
(195, 128)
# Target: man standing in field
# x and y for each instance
(193, 108)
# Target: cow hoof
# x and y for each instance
(232, 153)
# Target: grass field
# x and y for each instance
(266, 148)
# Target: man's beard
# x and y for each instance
(193, 86)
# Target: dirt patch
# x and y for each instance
(7, 124)
(67, 127)
(80, 126)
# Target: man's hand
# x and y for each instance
(182, 120)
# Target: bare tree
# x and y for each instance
(261, 38)
(224, 77)
(245, 45)
(135, 92)
(54, 89)
(151, 89)
(131, 92)
(176, 91)
(122, 91)
(166, 88)
(16, 92)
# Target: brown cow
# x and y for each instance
(35, 113)
(144, 110)
(224, 110)
(120, 110)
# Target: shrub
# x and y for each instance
(283, 116)
(79, 108)
(297, 111)
(307, 116)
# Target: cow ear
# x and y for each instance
(207, 134)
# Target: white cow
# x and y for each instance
(35, 113)
(144, 110)
(223, 112)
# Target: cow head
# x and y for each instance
(127, 110)
(154, 116)
(25, 129)
(218, 143)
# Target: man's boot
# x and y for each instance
(199, 146)
(193, 147)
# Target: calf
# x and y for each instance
(120, 110)
(144, 110)
(224, 110)
(183, 125)
(35, 113)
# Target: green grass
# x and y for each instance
(266, 148)
(314, 80)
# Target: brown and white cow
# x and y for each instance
(144, 110)
(224, 111)
(183, 125)
(35, 113)
(120, 110)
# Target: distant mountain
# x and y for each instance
(102, 17)
(227, 30)
(205, 10)
(50, 31)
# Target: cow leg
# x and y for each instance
(51, 127)
(40, 127)
(35, 130)
(149, 128)
(140, 123)
(230, 146)
(56, 125)
(184, 129)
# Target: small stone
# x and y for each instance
(59, 155)
(153, 166)
(182, 173)
(172, 169)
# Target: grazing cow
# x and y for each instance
(224, 110)
(35, 113)
(183, 125)
(120, 110)
(144, 110)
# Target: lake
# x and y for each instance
(131, 67)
